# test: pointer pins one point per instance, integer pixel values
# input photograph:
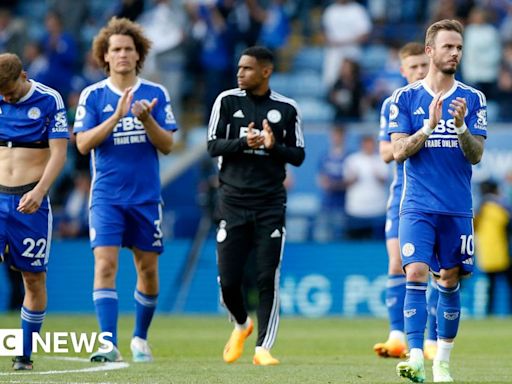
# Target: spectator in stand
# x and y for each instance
(216, 54)
(61, 50)
(504, 85)
(481, 70)
(346, 26)
(130, 9)
(347, 92)
(366, 178)
(275, 29)
(74, 12)
(75, 220)
(330, 221)
(492, 223)
(12, 32)
(164, 25)
(35, 62)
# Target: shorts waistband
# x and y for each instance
(18, 190)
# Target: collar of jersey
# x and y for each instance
(117, 91)
(446, 95)
(29, 93)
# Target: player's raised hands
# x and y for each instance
(269, 139)
(254, 139)
(142, 109)
(123, 105)
(435, 110)
(458, 110)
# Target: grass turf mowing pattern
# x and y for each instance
(331, 350)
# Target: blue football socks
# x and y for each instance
(415, 313)
(448, 312)
(107, 308)
(145, 306)
(31, 322)
(395, 296)
(432, 311)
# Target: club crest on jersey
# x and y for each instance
(408, 249)
(274, 116)
(34, 113)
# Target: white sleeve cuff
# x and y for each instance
(462, 129)
(426, 127)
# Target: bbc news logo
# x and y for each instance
(11, 342)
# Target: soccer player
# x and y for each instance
(438, 126)
(254, 131)
(414, 67)
(124, 121)
(33, 140)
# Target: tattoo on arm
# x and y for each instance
(472, 146)
(404, 146)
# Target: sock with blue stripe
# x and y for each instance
(448, 311)
(31, 322)
(415, 313)
(432, 311)
(145, 306)
(107, 308)
(395, 296)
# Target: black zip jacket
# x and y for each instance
(254, 176)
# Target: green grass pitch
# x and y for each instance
(321, 351)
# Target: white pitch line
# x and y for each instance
(99, 368)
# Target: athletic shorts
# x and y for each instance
(129, 226)
(392, 220)
(441, 241)
(27, 236)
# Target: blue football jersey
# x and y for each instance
(395, 189)
(125, 167)
(437, 178)
(40, 115)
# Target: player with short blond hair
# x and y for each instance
(33, 141)
(438, 127)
